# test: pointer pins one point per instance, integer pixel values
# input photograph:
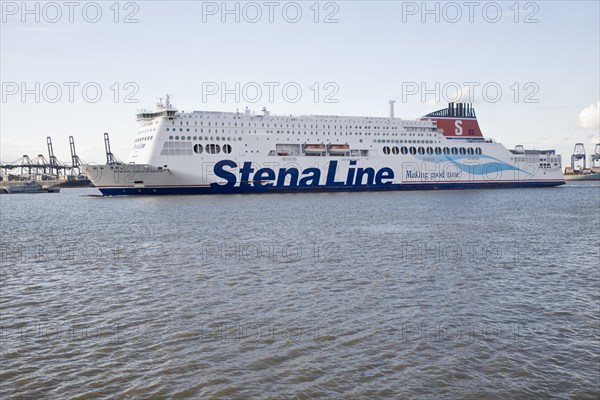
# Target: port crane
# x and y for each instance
(75, 160)
(595, 158)
(42, 168)
(578, 154)
(110, 157)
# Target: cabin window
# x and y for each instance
(213, 149)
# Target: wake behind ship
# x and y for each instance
(204, 152)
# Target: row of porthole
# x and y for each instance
(142, 139)
(312, 132)
(209, 131)
(200, 114)
(431, 150)
(212, 148)
(200, 138)
(401, 141)
(288, 125)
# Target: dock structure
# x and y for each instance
(42, 168)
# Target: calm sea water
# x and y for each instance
(449, 294)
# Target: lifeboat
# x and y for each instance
(283, 153)
(314, 148)
(335, 149)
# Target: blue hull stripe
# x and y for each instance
(266, 189)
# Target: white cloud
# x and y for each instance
(589, 117)
(452, 94)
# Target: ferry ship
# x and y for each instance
(206, 152)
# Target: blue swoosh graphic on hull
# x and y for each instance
(491, 167)
(479, 169)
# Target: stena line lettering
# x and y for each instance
(310, 177)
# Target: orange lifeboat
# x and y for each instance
(314, 148)
(336, 149)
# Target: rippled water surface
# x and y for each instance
(450, 294)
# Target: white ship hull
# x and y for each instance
(216, 153)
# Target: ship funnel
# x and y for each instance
(446, 120)
(392, 108)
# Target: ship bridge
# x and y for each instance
(161, 110)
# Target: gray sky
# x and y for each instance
(85, 69)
